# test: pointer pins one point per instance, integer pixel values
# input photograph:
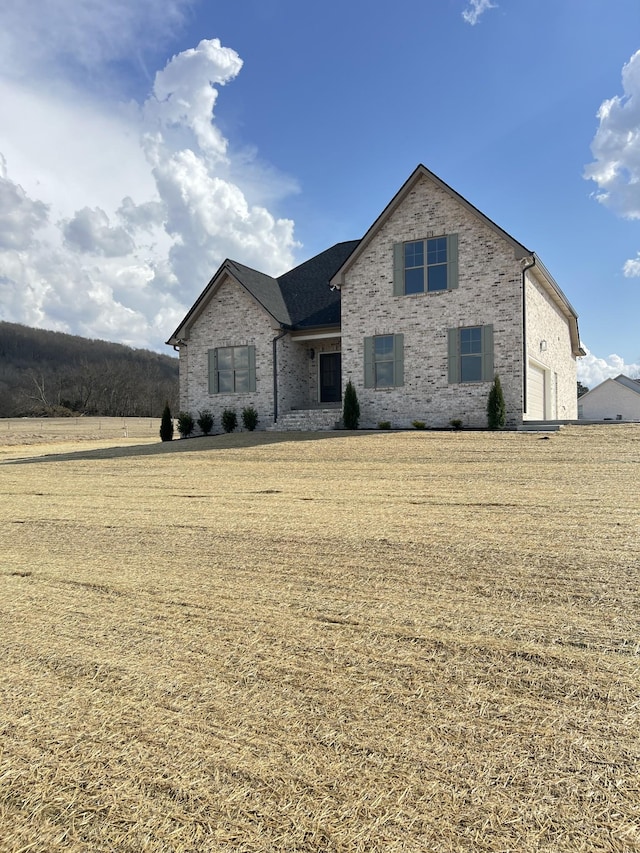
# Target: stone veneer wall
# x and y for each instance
(231, 318)
(489, 291)
(544, 323)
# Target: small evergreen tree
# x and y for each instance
(166, 424)
(229, 420)
(205, 421)
(249, 418)
(350, 407)
(496, 409)
(185, 424)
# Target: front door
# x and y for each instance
(330, 377)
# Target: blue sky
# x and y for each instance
(143, 142)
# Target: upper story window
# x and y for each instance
(425, 266)
(232, 370)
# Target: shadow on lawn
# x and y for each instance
(231, 441)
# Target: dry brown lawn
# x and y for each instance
(341, 642)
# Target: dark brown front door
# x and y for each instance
(330, 377)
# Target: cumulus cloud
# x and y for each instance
(476, 8)
(20, 216)
(631, 268)
(616, 147)
(184, 92)
(90, 231)
(593, 370)
(126, 265)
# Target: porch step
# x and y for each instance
(542, 426)
(301, 420)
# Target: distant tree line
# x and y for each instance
(52, 374)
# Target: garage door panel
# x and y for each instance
(536, 393)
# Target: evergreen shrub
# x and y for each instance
(496, 408)
(229, 420)
(166, 424)
(185, 424)
(249, 418)
(205, 421)
(350, 407)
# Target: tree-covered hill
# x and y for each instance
(46, 373)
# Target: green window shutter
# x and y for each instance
(369, 368)
(452, 261)
(213, 371)
(487, 353)
(252, 368)
(398, 359)
(398, 269)
(453, 356)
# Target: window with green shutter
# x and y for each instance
(470, 354)
(384, 361)
(232, 370)
(425, 266)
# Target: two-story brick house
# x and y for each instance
(420, 314)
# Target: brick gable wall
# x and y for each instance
(489, 292)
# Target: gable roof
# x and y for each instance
(300, 299)
(306, 288)
(631, 384)
(537, 268)
(422, 172)
(621, 381)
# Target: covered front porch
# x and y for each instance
(310, 385)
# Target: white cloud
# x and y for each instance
(85, 34)
(137, 204)
(616, 147)
(593, 370)
(91, 232)
(20, 217)
(476, 8)
(631, 268)
(185, 94)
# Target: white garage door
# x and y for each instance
(535, 393)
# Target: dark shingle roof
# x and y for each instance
(306, 290)
(264, 288)
(300, 299)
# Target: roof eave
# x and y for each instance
(181, 334)
(545, 278)
(421, 171)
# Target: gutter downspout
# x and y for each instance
(182, 370)
(527, 266)
(282, 333)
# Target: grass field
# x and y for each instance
(320, 642)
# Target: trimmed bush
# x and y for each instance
(350, 407)
(205, 421)
(249, 418)
(185, 424)
(384, 424)
(229, 420)
(456, 423)
(418, 424)
(496, 409)
(166, 424)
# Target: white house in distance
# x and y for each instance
(420, 314)
(615, 399)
